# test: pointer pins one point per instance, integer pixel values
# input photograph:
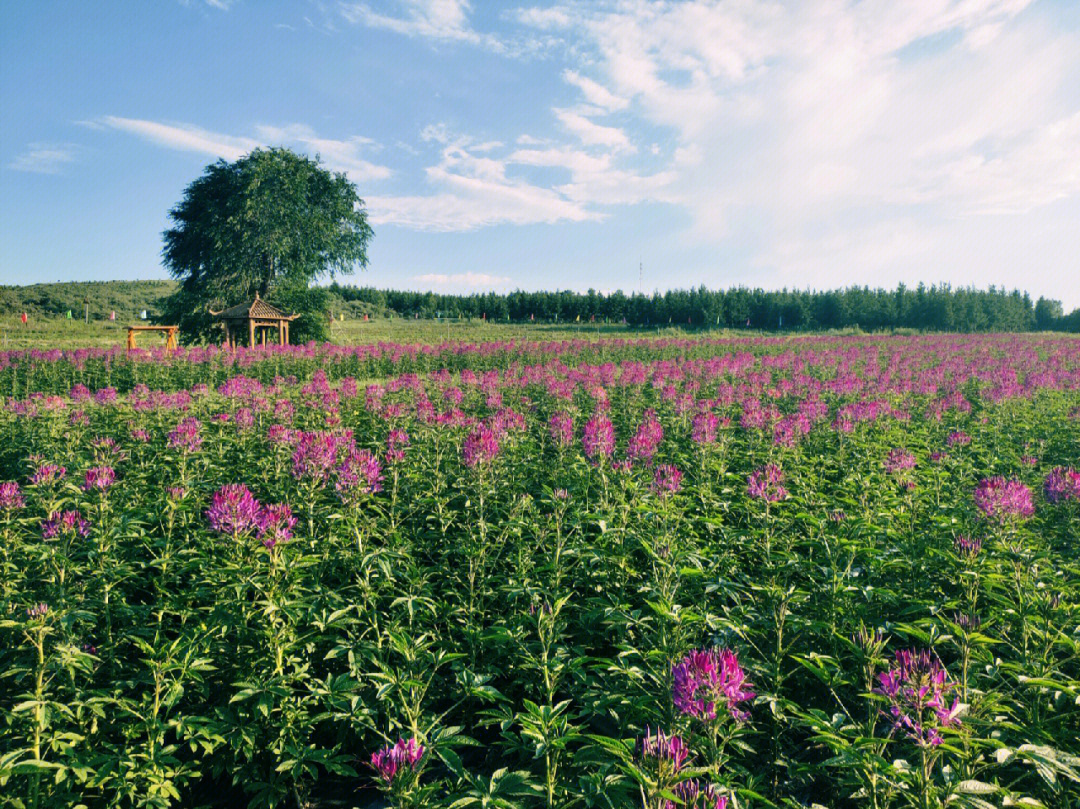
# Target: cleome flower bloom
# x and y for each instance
(599, 437)
(403, 757)
(234, 510)
(899, 460)
(668, 753)
(275, 524)
(1062, 484)
(186, 437)
(918, 689)
(709, 682)
(561, 428)
(47, 474)
(100, 478)
(11, 497)
(666, 480)
(692, 795)
(481, 446)
(968, 547)
(1001, 500)
(766, 484)
(359, 473)
(67, 524)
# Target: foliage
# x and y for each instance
(269, 223)
(299, 586)
(935, 308)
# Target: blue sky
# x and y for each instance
(501, 146)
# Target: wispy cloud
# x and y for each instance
(184, 137)
(434, 19)
(461, 282)
(338, 155)
(44, 158)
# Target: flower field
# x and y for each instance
(700, 572)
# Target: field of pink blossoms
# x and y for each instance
(704, 573)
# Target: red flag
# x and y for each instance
(24, 318)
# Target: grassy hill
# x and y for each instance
(127, 298)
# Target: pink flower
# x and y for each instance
(100, 478)
(704, 428)
(1001, 500)
(899, 460)
(359, 473)
(1062, 484)
(599, 438)
(234, 510)
(918, 688)
(708, 680)
(666, 480)
(186, 437)
(692, 795)
(393, 760)
(275, 523)
(47, 474)
(561, 427)
(765, 484)
(667, 752)
(68, 524)
(481, 446)
(10, 496)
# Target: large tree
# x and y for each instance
(270, 223)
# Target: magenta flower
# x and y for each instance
(234, 510)
(481, 446)
(185, 437)
(275, 524)
(561, 427)
(11, 497)
(692, 795)
(646, 439)
(100, 478)
(1001, 500)
(765, 484)
(899, 460)
(37, 611)
(667, 752)
(396, 442)
(67, 524)
(403, 757)
(704, 429)
(47, 474)
(666, 480)
(958, 438)
(918, 688)
(1062, 484)
(708, 680)
(316, 455)
(599, 437)
(968, 547)
(359, 473)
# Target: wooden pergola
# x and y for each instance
(256, 318)
(171, 333)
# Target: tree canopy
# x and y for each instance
(271, 223)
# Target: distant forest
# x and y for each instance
(933, 308)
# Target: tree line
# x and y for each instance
(932, 308)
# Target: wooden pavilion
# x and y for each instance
(255, 318)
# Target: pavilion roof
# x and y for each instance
(257, 309)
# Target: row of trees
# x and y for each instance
(936, 308)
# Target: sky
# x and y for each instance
(570, 145)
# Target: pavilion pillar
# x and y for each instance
(281, 332)
(286, 332)
(251, 333)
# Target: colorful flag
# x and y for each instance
(24, 318)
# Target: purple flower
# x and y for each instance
(918, 689)
(37, 611)
(1000, 499)
(1062, 484)
(968, 547)
(275, 524)
(667, 752)
(481, 446)
(705, 427)
(707, 680)
(396, 441)
(646, 439)
(899, 460)
(186, 437)
(403, 757)
(599, 438)
(233, 510)
(105, 396)
(561, 427)
(765, 484)
(692, 795)
(10, 496)
(666, 480)
(68, 524)
(316, 455)
(141, 435)
(47, 474)
(958, 438)
(100, 478)
(359, 473)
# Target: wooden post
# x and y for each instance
(251, 333)
(286, 332)
(262, 331)
(281, 332)
(131, 339)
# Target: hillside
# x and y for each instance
(127, 298)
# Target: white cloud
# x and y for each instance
(184, 137)
(461, 282)
(594, 92)
(434, 19)
(44, 158)
(591, 133)
(337, 155)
